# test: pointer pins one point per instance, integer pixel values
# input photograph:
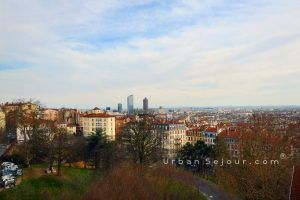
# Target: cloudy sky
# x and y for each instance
(177, 53)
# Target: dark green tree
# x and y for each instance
(97, 144)
(195, 156)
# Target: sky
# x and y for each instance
(175, 52)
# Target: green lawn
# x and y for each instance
(38, 185)
(86, 184)
(135, 182)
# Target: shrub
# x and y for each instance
(137, 182)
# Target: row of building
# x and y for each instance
(87, 122)
(177, 128)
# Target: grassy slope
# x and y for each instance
(131, 182)
(122, 183)
(37, 185)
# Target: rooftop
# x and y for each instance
(93, 115)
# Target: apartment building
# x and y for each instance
(67, 115)
(209, 135)
(96, 110)
(174, 137)
(50, 114)
(120, 122)
(2, 121)
(231, 137)
(27, 106)
(91, 122)
(194, 134)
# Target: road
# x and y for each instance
(209, 189)
(212, 191)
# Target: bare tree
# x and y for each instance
(264, 168)
(61, 146)
(143, 144)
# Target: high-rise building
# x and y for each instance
(145, 104)
(130, 104)
(120, 107)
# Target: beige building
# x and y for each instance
(2, 121)
(50, 114)
(193, 135)
(70, 128)
(67, 115)
(174, 137)
(91, 122)
(28, 107)
(96, 110)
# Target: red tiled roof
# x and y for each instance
(296, 142)
(118, 117)
(100, 115)
(211, 129)
(295, 188)
(194, 129)
(275, 139)
(230, 133)
(44, 109)
(71, 125)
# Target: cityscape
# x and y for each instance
(149, 100)
(175, 128)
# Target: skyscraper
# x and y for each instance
(145, 104)
(120, 107)
(130, 104)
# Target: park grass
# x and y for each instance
(133, 182)
(38, 185)
(122, 182)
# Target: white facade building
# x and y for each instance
(2, 121)
(91, 122)
(174, 137)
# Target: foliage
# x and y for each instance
(136, 182)
(72, 185)
(258, 181)
(61, 147)
(194, 156)
(142, 143)
(15, 158)
(100, 149)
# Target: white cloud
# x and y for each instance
(229, 54)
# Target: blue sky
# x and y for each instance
(177, 53)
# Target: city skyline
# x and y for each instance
(139, 105)
(177, 53)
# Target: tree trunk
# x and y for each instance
(59, 167)
(85, 163)
(59, 158)
(51, 165)
(96, 161)
(26, 148)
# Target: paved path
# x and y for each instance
(209, 189)
(212, 191)
(3, 148)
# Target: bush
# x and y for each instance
(15, 158)
(72, 185)
(136, 182)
